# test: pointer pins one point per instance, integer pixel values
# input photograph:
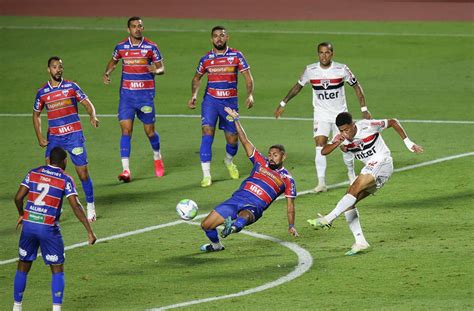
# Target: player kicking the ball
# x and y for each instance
(363, 139)
(268, 179)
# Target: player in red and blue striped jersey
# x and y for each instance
(141, 61)
(44, 188)
(60, 98)
(222, 65)
(268, 180)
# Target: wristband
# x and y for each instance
(282, 104)
(363, 109)
(291, 226)
(409, 144)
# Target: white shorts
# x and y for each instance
(324, 128)
(381, 169)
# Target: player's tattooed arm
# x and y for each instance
(249, 102)
(361, 97)
(195, 84)
(292, 93)
(108, 70)
(37, 126)
(91, 111)
(248, 146)
(290, 206)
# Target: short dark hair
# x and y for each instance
(53, 58)
(279, 147)
(343, 118)
(217, 28)
(57, 155)
(326, 44)
(133, 18)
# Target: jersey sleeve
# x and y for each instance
(26, 181)
(39, 104)
(349, 77)
(80, 95)
(70, 188)
(243, 65)
(378, 125)
(304, 78)
(116, 54)
(201, 68)
(290, 187)
(156, 57)
(257, 157)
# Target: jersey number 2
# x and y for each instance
(44, 188)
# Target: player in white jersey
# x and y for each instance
(363, 139)
(327, 79)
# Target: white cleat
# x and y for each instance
(321, 188)
(91, 216)
(357, 248)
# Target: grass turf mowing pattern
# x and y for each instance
(418, 224)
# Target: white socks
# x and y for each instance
(352, 218)
(56, 307)
(228, 158)
(206, 169)
(125, 164)
(347, 201)
(349, 161)
(156, 155)
(320, 163)
(17, 306)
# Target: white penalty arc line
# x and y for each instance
(305, 261)
(248, 117)
(177, 222)
(288, 32)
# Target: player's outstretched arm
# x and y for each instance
(249, 84)
(91, 111)
(195, 84)
(248, 146)
(37, 126)
(361, 97)
(79, 212)
(290, 206)
(336, 141)
(401, 131)
(19, 199)
(292, 93)
(108, 70)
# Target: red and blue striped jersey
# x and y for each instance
(266, 184)
(61, 104)
(136, 79)
(47, 185)
(222, 70)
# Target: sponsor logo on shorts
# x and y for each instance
(52, 258)
(146, 109)
(22, 252)
(77, 151)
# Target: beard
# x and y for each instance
(57, 77)
(274, 166)
(221, 47)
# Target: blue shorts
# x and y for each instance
(49, 239)
(73, 143)
(234, 205)
(213, 110)
(144, 108)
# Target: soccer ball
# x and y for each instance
(187, 209)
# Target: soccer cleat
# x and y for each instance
(321, 188)
(209, 248)
(228, 228)
(125, 176)
(91, 215)
(159, 168)
(320, 222)
(233, 171)
(357, 248)
(206, 182)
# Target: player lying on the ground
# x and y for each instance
(268, 179)
(364, 140)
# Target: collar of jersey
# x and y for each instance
(217, 54)
(55, 87)
(138, 45)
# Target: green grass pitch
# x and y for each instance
(419, 225)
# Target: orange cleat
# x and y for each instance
(159, 168)
(125, 176)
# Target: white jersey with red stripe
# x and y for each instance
(368, 144)
(329, 98)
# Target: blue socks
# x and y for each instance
(19, 285)
(206, 148)
(57, 287)
(154, 141)
(125, 146)
(212, 235)
(88, 189)
(240, 223)
(231, 149)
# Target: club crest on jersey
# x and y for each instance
(143, 52)
(65, 92)
(325, 83)
(230, 60)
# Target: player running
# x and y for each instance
(141, 61)
(363, 139)
(60, 97)
(327, 80)
(222, 65)
(44, 188)
(268, 179)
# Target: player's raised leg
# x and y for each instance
(125, 149)
(209, 225)
(205, 154)
(154, 139)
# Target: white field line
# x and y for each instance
(305, 261)
(246, 117)
(290, 32)
(177, 222)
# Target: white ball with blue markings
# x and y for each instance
(187, 209)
